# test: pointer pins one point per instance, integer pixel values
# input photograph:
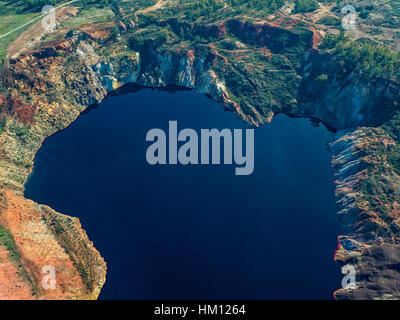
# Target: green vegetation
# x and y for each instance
(329, 21)
(7, 240)
(393, 129)
(322, 78)
(150, 37)
(218, 9)
(378, 191)
(71, 247)
(37, 5)
(21, 131)
(379, 195)
(268, 5)
(373, 61)
(377, 188)
(305, 6)
(12, 15)
(202, 7)
(2, 124)
(16, 13)
(88, 15)
(274, 69)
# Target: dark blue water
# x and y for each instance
(200, 231)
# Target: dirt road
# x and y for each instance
(158, 5)
(32, 36)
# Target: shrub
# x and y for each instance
(305, 6)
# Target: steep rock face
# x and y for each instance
(359, 109)
(35, 236)
(371, 240)
(342, 102)
(42, 236)
(377, 272)
(369, 243)
(275, 38)
(62, 78)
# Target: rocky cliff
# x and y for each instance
(32, 237)
(254, 68)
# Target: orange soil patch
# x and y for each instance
(97, 33)
(37, 247)
(12, 285)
